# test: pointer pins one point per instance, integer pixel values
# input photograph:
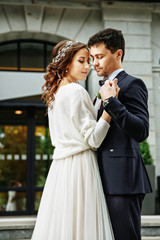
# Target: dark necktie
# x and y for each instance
(101, 82)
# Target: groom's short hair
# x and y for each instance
(112, 38)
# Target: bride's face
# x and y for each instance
(79, 67)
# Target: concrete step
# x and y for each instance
(17, 227)
(151, 238)
(21, 227)
(150, 226)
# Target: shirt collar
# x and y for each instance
(114, 74)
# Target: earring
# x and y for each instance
(66, 70)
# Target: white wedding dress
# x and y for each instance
(11, 204)
(73, 205)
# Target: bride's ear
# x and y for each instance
(67, 68)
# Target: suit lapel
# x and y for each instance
(121, 75)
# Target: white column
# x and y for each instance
(134, 20)
(155, 36)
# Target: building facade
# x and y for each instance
(28, 31)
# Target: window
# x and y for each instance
(8, 56)
(25, 55)
(32, 57)
(25, 157)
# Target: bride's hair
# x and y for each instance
(62, 55)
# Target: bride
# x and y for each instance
(73, 205)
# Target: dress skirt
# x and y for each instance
(73, 205)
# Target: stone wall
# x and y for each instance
(140, 23)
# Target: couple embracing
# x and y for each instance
(89, 194)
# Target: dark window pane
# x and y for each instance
(49, 52)
(3, 201)
(13, 147)
(38, 196)
(43, 149)
(32, 56)
(13, 159)
(12, 201)
(8, 57)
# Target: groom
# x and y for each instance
(122, 170)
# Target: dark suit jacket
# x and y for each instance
(121, 165)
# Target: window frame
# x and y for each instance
(30, 189)
(18, 53)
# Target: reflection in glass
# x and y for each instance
(13, 140)
(43, 154)
(43, 148)
(15, 200)
(38, 196)
(12, 201)
(3, 200)
(13, 159)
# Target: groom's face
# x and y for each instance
(104, 61)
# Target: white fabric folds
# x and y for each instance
(73, 205)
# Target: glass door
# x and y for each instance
(43, 154)
(25, 158)
(13, 160)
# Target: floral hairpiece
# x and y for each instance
(61, 53)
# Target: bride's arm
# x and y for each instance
(84, 119)
(106, 116)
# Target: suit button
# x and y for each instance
(111, 150)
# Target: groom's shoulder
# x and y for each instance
(131, 78)
(126, 75)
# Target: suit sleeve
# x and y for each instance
(84, 120)
(133, 115)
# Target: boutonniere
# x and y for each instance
(98, 95)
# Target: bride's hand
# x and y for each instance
(117, 90)
(109, 89)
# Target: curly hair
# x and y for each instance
(56, 70)
(112, 38)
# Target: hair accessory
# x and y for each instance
(61, 53)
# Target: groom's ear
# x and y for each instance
(119, 53)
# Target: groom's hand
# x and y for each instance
(109, 89)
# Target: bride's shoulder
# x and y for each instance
(74, 92)
(77, 88)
